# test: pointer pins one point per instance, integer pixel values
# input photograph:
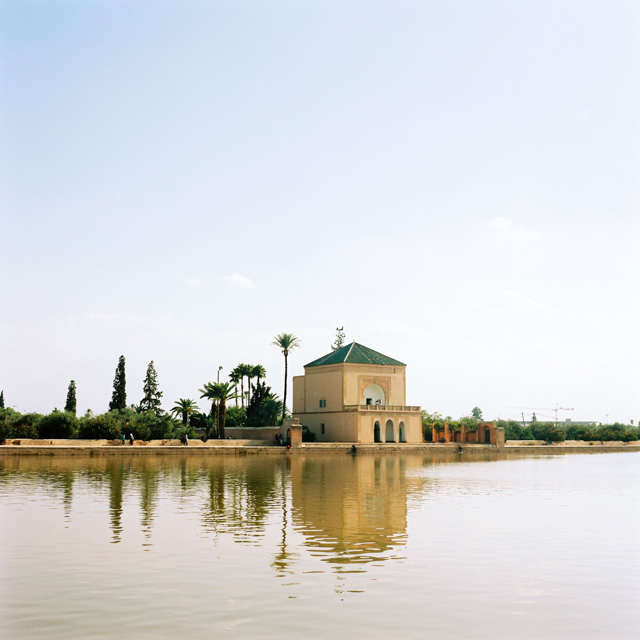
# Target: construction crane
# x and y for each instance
(554, 409)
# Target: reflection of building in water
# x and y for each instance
(350, 512)
(356, 394)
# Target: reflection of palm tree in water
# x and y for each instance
(148, 497)
(240, 499)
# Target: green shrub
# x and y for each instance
(58, 424)
(10, 431)
(548, 431)
(235, 417)
(513, 430)
(204, 423)
(105, 426)
(580, 432)
(307, 434)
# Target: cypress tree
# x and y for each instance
(152, 395)
(70, 406)
(339, 341)
(119, 396)
(2, 399)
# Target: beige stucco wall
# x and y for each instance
(339, 426)
(358, 376)
(345, 384)
(323, 383)
(358, 426)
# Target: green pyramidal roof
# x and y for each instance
(356, 353)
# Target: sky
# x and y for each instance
(456, 183)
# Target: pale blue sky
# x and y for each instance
(457, 183)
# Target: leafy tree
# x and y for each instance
(548, 431)
(58, 424)
(581, 432)
(470, 423)
(103, 427)
(2, 399)
(339, 341)
(14, 425)
(184, 407)
(476, 413)
(152, 394)
(235, 417)
(202, 422)
(264, 407)
(286, 342)
(513, 430)
(428, 421)
(70, 405)
(119, 396)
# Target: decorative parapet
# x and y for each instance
(380, 407)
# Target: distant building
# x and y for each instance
(356, 394)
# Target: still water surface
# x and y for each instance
(371, 546)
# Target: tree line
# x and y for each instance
(256, 406)
(534, 430)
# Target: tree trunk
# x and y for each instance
(284, 401)
(223, 417)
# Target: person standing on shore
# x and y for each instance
(131, 439)
(122, 435)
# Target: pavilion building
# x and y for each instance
(356, 394)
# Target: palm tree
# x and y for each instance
(286, 342)
(258, 372)
(223, 391)
(240, 372)
(247, 369)
(183, 408)
(209, 392)
(235, 377)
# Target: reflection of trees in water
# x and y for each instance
(47, 476)
(115, 475)
(148, 479)
(240, 498)
(349, 509)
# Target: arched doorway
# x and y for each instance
(376, 432)
(402, 433)
(374, 394)
(388, 431)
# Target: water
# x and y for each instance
(321, 546)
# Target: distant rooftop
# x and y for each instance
(355, 353)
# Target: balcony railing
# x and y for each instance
(379, 407)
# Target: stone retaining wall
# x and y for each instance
(252, 447)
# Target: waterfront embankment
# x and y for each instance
(25, 447)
